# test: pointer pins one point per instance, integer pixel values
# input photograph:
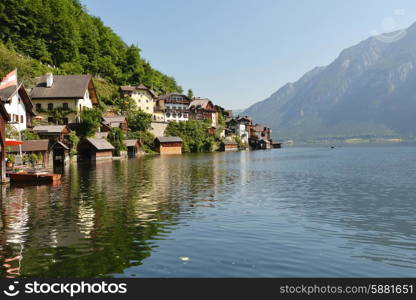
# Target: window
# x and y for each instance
(174, 115)
(65, 106)
(147, 107)
(21, 119)
(154, 117)
(66, 121)
(51, 120)
(167, 115)
(179, 115)
(50, 106)
(38, 107)
(185, 115)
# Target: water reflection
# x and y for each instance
(103, 218)
(295, 212)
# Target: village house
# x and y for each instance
(260, 137)
(203, 109)
(168, 145)
(71, 93)
(261, 132)
(4, 118)
(142, 96)
(241, 127)
(175, 107)
(54, 133)
(114, 122)
(95, 149)
(133, 148)
(16, 102)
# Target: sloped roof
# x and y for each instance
(130, 143)
(129, 88)
(64, 86)
(7, 92)
(100, 144)
(167, 96)
(32, 146)
(199, 103)
(115, 119)
(49, 128)
(169, 139)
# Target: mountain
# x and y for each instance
(369, 90)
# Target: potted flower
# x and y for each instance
(10, 160)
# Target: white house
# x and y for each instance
(16, 101)
(71, 93)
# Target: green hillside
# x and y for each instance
(60, 36)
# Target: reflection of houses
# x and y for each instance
(4, 117)
(16, 101)
(203, 109)
(168, 145)
(142, 95)
(133, 148)
(53, 132)
(71, 93)
(95, 149)
(173, 106)
(114, 122)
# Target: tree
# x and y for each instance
(190, 94)
(90, 122)
(139, 121)
(126, 105)
(116, 138)
(194, 134)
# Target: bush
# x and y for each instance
(116, 138)
(73, 143)
(28, 135)
(194, 135)
(146, 139)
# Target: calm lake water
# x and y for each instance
(292, 212)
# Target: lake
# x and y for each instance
(291, 212)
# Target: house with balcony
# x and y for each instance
(173, 107)
(68, 93)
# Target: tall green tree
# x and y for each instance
(90, 122)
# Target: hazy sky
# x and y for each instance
(238, 52)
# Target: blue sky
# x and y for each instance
(238, 52)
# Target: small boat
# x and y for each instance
(34, 177)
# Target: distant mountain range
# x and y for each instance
(368, 91)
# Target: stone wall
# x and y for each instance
(158, 129)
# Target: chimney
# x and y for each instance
(49, 80)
